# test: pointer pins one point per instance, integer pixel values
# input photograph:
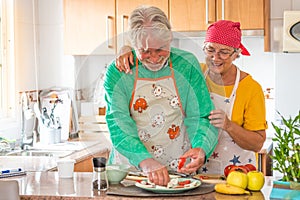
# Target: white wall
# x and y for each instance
(285, 65)
(24, 46)
(287, 93)
(39, 45)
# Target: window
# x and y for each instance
(7, 80)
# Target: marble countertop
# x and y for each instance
(81, 148)
(47, 185)
(42, 181)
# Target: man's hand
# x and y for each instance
(197, 156)
(157, 173)
(124, 60)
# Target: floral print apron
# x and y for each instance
(157, 110)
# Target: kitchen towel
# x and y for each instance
(281, 190)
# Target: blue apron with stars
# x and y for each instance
(227, 152)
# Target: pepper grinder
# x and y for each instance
(100, 181)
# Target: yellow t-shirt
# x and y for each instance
(249, 109)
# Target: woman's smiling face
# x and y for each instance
(219, 57)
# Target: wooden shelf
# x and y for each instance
(264, 159)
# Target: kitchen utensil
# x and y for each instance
(38, 113)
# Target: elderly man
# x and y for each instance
(159, 113)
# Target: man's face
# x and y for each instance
(153, 52)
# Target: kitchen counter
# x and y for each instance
(47, 185)
(42, 181)
(81, 149)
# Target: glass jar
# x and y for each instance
(100, 181)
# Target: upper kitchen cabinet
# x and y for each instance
(123, 10)
(250, 13)
(197, 15)
(190, 15)
(89, 27)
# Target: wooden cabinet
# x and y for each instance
(86, 165)
(99, 27)
(89, 27)
(188, 15)
(197, 15)
(123, 10)
(249, 12)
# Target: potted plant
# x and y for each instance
(286, 155)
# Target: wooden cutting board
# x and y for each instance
(210, 178)
(133, 191)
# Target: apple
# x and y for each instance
(256, 180)
(250, 167)
(227, 169)
(238, 179)
(239, 168)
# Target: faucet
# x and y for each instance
(27, 123)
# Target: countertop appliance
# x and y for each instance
(291, 31)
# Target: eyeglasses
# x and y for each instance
(223, 54)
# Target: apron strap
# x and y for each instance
(236, 84)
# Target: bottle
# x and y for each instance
(100, 181)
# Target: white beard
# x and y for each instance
(155, 67)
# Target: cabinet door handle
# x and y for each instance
(109, 45)
(223, 9)
(207, 21)
(206, 11)
(123, 28)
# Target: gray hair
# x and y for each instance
(148, 20)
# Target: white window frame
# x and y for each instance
(8, 96)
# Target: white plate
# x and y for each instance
(162, 189)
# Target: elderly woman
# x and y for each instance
(159, 113)
(240, 106)
(240, 112)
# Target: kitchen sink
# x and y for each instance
(45, 153)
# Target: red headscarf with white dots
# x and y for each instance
(227, 33)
